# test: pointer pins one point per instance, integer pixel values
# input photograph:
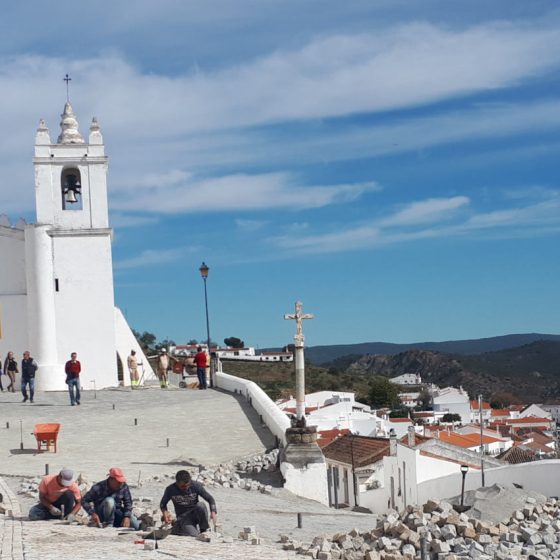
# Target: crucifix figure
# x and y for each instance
(67, 79)
(299, 316)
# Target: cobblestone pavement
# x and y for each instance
(48, 541)
(11, 543)
(204, 427)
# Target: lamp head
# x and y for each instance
(464, 469)
(204, 270)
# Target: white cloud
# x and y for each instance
(542, 214)
(532, 220)
(250, 225)
(241, 192)
(119, 220)
(404, 66)
(152, 257)
(426, 211)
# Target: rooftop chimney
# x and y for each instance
(411, 436)
(392, 442)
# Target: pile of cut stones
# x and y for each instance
(437, 532)
(231, 475)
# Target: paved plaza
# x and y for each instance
(203, 428)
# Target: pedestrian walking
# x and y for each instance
(163, 365)
(132, 362)
(201, 361)
(29, 368)
(73, 369)
(11, 369)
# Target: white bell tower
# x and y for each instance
(69, 262)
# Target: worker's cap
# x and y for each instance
(66, 476)
(117, 474)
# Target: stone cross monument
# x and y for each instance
(299, 339)
(302, 462)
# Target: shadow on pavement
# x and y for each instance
(263, 433)
(24, 452)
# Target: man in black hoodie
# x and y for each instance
(28, 370)
(192, 516)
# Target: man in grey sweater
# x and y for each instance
(192, 516)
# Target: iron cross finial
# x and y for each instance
(67, 79)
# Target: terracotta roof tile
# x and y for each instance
(324, 437)
(500, 412)
(465, 440)
(357, 450)
(516, 455)
(485, 405)
(529, 420)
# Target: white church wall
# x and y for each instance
(41, 315)
(13, 313)
(12, 249)
(85, 319)
(126, 341)
(13, 288)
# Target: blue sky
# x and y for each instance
(392, 164)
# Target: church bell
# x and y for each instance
(71, 189)
(71, 197)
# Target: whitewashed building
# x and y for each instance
(407, 379)
(58, 297)
(453, 401)
(538, 411)
(419, 460)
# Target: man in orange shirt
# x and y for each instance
(59, 497)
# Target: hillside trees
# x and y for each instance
(383, 393)
(234, 342)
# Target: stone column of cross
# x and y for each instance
(299, 339)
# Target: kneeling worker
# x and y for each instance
(59, 496)
(192, 516)
(110, 502)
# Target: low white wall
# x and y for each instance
(376, 500)
(309, 482)
(276, 421)
(539, 476)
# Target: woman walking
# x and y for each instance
(11, 368)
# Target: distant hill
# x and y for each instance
(327, 354)
(530, 372)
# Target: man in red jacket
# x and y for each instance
(73, 369)
(201, 361)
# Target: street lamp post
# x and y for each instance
(204, 269)
(481, 439)
(464, 469)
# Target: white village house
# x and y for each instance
(58, 297)
(453, 401)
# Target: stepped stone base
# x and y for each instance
(303, 464)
